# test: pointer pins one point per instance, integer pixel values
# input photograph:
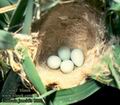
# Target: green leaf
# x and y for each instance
(6, 40)
(41, 97)
(32, 73)
(115, 74)
(116, 54)
(2, 24)
(28, 18)
(10, 86)
(114, 65)
(29, 103)
(115, 7)
(5, 15)
(75, 94)
(18, 14)
(13, 1)
(4, 3)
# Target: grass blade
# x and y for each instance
(2, 24)
(29, 103)
(31, 73)
(4, 3)
(115, 7)
(116, 53)
(13, 1)
(6, 40)
(10, 86)
(28, 18)
(18, 13)
(72, 95)
(36, 98)
(115, 75)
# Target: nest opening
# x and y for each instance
(72, 25)
(74, 36)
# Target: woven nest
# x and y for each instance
(75, 25)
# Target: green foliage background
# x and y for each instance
(22, 17)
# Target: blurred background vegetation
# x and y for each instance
(16, 17)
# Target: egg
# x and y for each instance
(67, 66)
(64, 53)
(77, 57)
(53, 62)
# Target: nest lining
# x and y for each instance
(73, 25)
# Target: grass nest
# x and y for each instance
(76, 25)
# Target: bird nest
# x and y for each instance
(76, 25)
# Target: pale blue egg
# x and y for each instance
(64, 53)
(53, 62)
(77, 57)
(67, 66)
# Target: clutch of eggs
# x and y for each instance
(63, 61)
